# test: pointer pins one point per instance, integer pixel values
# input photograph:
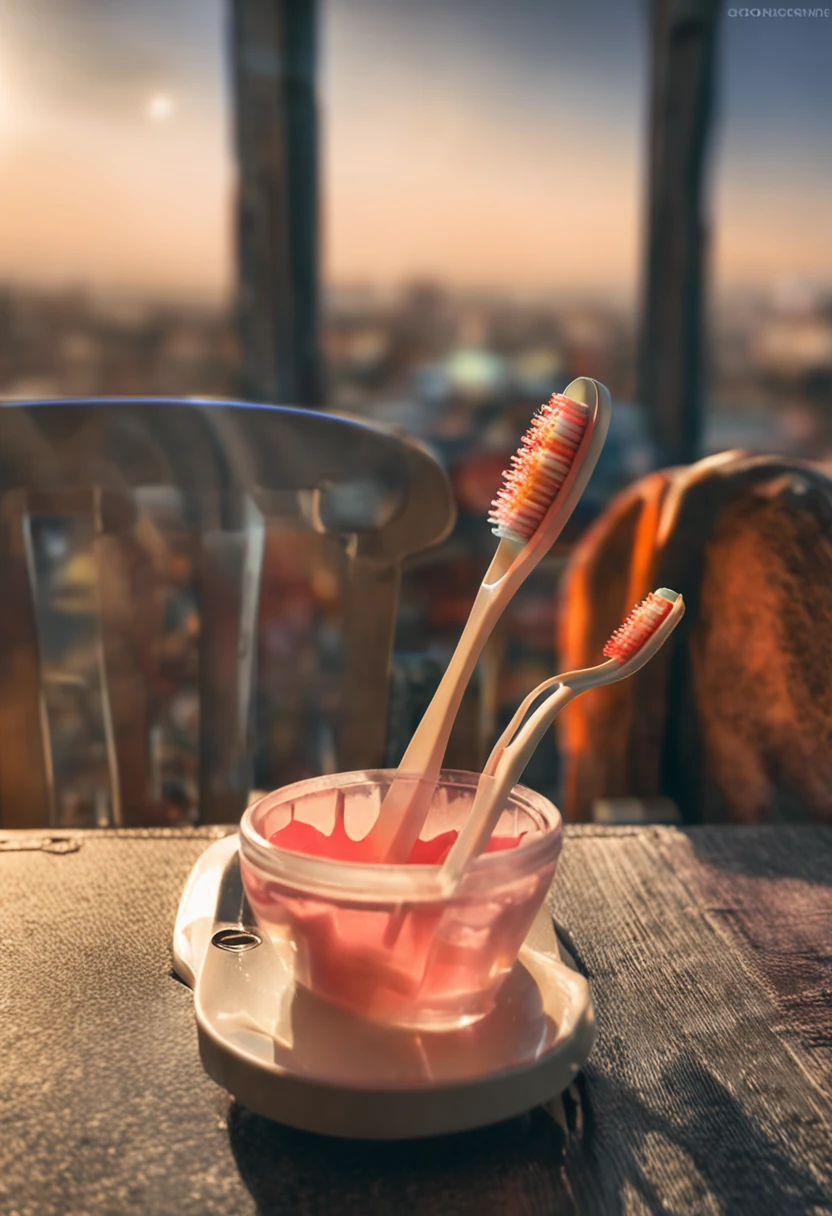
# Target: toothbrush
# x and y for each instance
(540, 489)
(643, 633)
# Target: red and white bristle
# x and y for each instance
(539, 468)
(640, 625)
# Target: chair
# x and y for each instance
(731, 721)
(145, 546)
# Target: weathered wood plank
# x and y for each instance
(694, 1101)
(696, 1098)
(766, 893)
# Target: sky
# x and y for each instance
(476, 142)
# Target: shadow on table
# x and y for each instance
(686, 1146)
(693, 1148)
(780, 850)
(512, 1167)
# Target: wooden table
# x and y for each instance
(710, 1090)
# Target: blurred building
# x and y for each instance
(74, 344)
(463, 371)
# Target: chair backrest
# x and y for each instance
(731, 720)
(171, 567)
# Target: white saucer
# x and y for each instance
(287, 1055)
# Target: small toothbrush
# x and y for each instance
(643, 633)
(540, 489)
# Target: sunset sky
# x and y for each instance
(474, 141)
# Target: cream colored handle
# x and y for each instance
(408, 800)
(494, 789)
(507, 761)
(576, 680)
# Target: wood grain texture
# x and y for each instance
(709, 1090)
(696, 1100)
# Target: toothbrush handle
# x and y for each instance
(514, 725)
(494, 788)
(506, 764)
(576, 680)
(407, 801)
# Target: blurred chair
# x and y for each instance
(733, 718)
(135, 537)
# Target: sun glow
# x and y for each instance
(160, 107)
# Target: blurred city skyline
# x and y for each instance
(472, 143)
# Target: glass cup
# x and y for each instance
(385, 941)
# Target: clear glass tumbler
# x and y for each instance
(384, 940)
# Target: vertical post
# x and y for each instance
(671, 378)
(27, 780)
(274, 58)
(231, 563)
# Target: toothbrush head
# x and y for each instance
(641, 625)
(539, 468)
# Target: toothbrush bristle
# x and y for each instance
(640, 626)
(539, 468)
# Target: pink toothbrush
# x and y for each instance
(646, 629)
(540, 490)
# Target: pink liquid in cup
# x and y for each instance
(382, 940)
